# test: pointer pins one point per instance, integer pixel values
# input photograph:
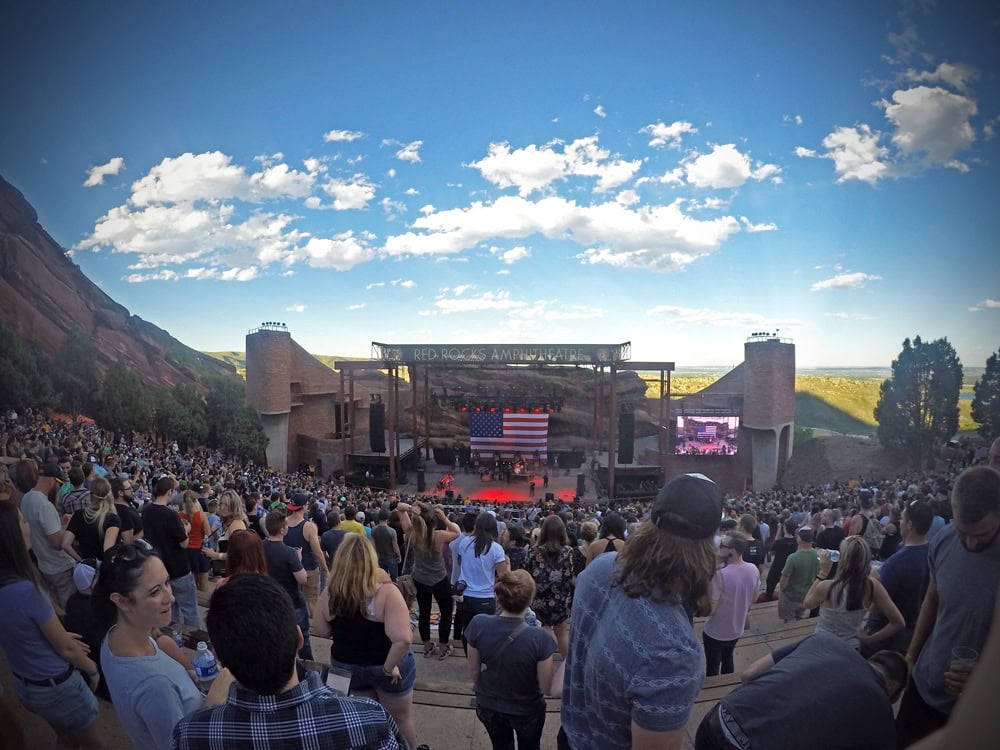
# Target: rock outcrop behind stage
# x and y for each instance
(46, 296)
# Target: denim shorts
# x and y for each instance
(371, 677)
(70, 706)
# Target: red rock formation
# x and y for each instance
(44, 295)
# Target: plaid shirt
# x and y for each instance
(74, 500)
(309, 715)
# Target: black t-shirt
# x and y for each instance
(330, 541)
(282, 564)
(129, 517)
(830, 538)
(754, 552)
(782, 548)
(383, 537)
(796, 686)
(90, 538)
(163, 529)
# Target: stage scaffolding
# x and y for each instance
(605, 359)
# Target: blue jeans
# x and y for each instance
(503, 727)
(302, 619)
(391, 566)
(68, 706)
(185, 606)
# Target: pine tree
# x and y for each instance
(918, 405)
(986, 401)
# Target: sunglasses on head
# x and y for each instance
(132, 551)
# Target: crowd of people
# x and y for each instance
(105, 543)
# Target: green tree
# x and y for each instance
(918, 405)
(180, 415)
(123, 405)
(986, 399)
(245, 436)
(225, 398)
(75, 374)
(24, 378)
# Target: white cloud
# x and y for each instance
(668, 135)
(196, 274)
(533, 168)
(410, 152)
(797, 119)
(956, 75)
(162, 275)
(725, 167)
(503, 272)
(342, 136)
(412, 191)
(375, 285)
(500, 300)
(313, 165)
(854, 280)
(931, 122)
(406, 284)
(748, 226)
(212, 176)
(986, 304)
(96, 175)
(391, 174)
(711, 203)
(627, 198)
(599, 111)
(392, 208)
(805, 153)
(341, 252)
(268, 160)
(512, 256)
(659, 238)
(856, 154)
(296, 308)
(353, 193)
(848, 316)
(462, 289)
(705, 316)
(359, 306)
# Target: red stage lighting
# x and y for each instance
(506, 410)
(464, 408)
(536, 410)
(522, 410)
(493, 410)
(478, 410)
(552, 410)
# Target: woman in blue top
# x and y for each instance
(481, 559)
(150, 690)
(45, 661)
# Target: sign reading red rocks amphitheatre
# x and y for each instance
(552, 354)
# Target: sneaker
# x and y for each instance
(445, 652)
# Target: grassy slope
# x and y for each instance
(837, 404)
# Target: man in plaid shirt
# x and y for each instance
(251, 623)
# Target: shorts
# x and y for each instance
(311, 589)
(371, 676)
(791, 609)
(69, 706)
(198, 561)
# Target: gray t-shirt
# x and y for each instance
(151, 694)
(629, 660)
(383, 537)
(823, 678)
(43, 518)
(967, 588)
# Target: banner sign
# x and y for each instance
(550, 354)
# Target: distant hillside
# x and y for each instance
(238, 360)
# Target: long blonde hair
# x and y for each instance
(102, 502)
(231, 500)
(423, 528)
(191, 504)
(353, 577)
(851, 584)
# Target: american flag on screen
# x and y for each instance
(706, 430)
(491, 432)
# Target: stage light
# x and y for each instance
(464, 408)
(522, 410)
(478, 410)
(536, 410)
(506, 410)
(552, 410)
(493, 410)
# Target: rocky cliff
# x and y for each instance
(44, 296)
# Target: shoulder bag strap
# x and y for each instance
(510, 639)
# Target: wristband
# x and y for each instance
(821, 578)
(387, 672)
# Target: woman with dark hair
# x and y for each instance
(430, 576)
(42, 656)
(369, 623)
(245, 555)
(93, 531)
(552, 565)
(480, 560)
(510, 691)
(611, 539)
(845, 600)
(151, 691)
(516, 546)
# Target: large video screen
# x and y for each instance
(706, 435)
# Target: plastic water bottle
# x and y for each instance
(531, 618)
(205, 667)
(178, 637)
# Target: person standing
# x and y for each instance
(168, 535)
(782, 547)
(635, 665)
(284, 565)
(332, 537)
(125, 509)
(734, 589)
(797, 576)
(386, 546)
(47, 535)
(964, 564)
(303, 535)
(480, 560)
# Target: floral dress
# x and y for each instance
(517, 556)
(555, 581)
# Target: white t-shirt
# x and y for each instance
(478, 572)
(43, 518)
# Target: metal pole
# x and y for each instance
(392, 442)
(413, 411)
(343, 426)
(612, 432)
(662, 433)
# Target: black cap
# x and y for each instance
(689, 505)
(51, 470)
(298, 500)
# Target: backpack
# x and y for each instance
(872, 533)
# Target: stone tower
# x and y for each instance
(768, 404)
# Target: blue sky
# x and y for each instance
(677, 175)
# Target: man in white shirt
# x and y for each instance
(734, 589)
(47, 535)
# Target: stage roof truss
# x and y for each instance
(501, 354)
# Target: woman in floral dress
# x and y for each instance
(553, 565)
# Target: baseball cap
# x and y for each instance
(689, 505)
(297, 500)
(51, 470)
(85, 573)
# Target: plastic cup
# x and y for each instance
(964, 656)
